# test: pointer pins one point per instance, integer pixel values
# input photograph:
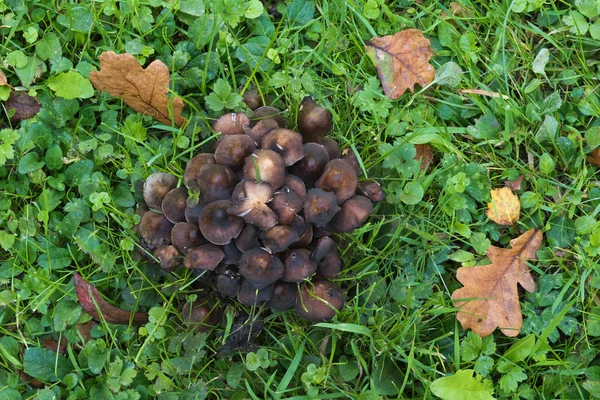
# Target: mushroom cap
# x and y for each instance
(261, 128)
(186, 236)
(270, 166)
(339, 178)
(249, 295)
(351, 158)
(168, 257)
(319, 300)
(325, 230)
(314, 122)
(249, 202)
(232, 150)
(310, 168)
(155, 228)
(216, 182)
(156, 187)
(329, 266)
(286, 204)
(260, 268)
(354, 213)
(266, 112)
(284, 295)
(320, 207)
(253, 99)
(333, 148)
(297, 265)
(305, 231)
(174, 205)
(372, 190)
(216, 225)
(296, 185)
(232, 254)
(228, 282)
(207, 256)
(193, 213)
(324, 246)
(248, 238)
(200, 316)
(285, 142)
(193, 167)
(231, 123)
(279, 238)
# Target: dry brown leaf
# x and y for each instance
(514, 185)
(24, 106)
(594, 157)
(490, 298)
(401, 61)
(424, 154)
(3, 80)
(144, 90)
(505, 207)
(93, 304)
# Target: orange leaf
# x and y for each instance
(401, 61)
(3, 80)
(505, 207)
(594, 157)
(93, 304)
(489, 298)
(424, 154)
(144, 90)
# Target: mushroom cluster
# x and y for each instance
(258, 214)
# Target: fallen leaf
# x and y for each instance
(424, 154)
(3, 80)
(505, 207)
(483, 93)
(24, 106)
(93, 304)
(401, 61)
(514, 185)
(490, 298)
(144, 90)
(594, 157)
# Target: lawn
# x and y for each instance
(514, 103)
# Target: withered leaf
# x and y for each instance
(514, 185)
(424, 154)
(24, 106)
(401, 61)
(489, 298)
(594, 157)
(3, 80)
(144, 90)
(505, 207)
(93, 304)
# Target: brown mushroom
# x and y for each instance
(297, 265)
(193, 167)
(253, 99)
(250, 203)
(296, 185)
(207, 257)
(216, 182)
(231, 124)
(232, 254)
(193, 213)
(320, 207)
(261, 128)
(168, 257)
(248, 238)
(279, 238)
(216, 225)
(155, 228)
(330, 266)
(248, 295)
(354, 213)
(324, 246)
(200, 316)
(266, 112)
(156, 187)
(310, 168)
(339, 178)
(174, 204)
(350, 157)
(314, 122)
(228, 282)
(286, 204)
(270, 166)
(333, 148)
(260, 268)
(372, 190)
(232, 150)
(186, 236)
(285, 142)
(284, 296)
(319, 300)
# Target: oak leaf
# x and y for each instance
(594, 157)
(505, 207)
(401, 61)
(489, 298)
(144, 90)
(92, 303)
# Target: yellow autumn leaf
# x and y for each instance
(505, 207)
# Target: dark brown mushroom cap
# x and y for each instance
(193, 167)
(285, 142)
(286, 204)
(248, 238)
(231, 124)
(253, 99)
(297, 265)
(232, 254)
(314, 122)
(339, 178)
(266, 112)
(156, 187)
(320, 207)
(216, 225)
(207, 257)
(200, 316)
(296, 185)
(325, 230)
(260, 268)
(232, 150)
(333, 148)
(228, 282)
(330, 266)
(249, 295)
(279, 238)
(261, 128)
(310, 168)
(351, 158)
(174, 204)
(324, 246)
(270, 165)
(354, 213)
(193, 213)
(306, 237)
(186, 236)
(216, 182)
(319, 300)
(249, 202)
(168, 257)
(155, 228)
(372, 190)
(284, 296)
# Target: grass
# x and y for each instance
(72, 208)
